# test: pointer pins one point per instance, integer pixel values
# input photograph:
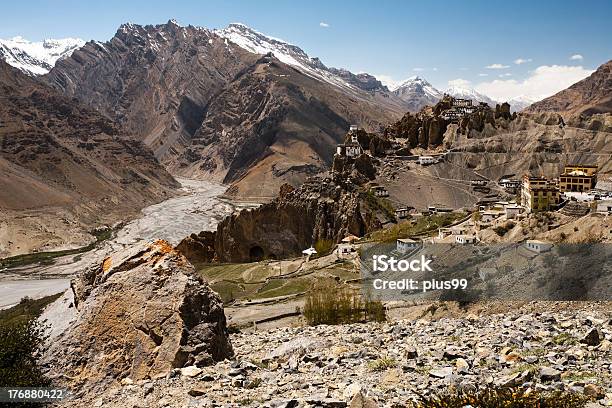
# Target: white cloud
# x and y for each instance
(544, 81)
(483, 75)
(520, 61)
(507, 74)
(459, 83)
(576, 57)
(497, 66)
(323, 24)
(434, 69)
(418, 69)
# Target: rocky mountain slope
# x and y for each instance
(590, 96)
(394, 363)
(65, 168)
(37, 58)
(208, 107)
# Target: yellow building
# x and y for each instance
(539, 194)
(579, 178)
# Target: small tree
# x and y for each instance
(20, 341)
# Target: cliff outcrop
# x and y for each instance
(140, 314)
(323, 208)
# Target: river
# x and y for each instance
(200, 207)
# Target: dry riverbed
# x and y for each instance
(199, 208)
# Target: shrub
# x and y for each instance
(503, 397)
(323, 246)
(503, 229)
(20, 341)
(330, 303)
(382, 364)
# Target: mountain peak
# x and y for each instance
(37, 57)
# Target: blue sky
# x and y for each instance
(442, 41)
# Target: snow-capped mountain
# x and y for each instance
(469, 93)
(37, 58)
(259, 43)
(416, 92)
(518, 103)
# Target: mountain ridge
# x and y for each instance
(209, 108)
(589, 96)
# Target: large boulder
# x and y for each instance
(140, 314)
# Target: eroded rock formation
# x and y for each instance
(140, 314)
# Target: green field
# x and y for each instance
(260, 280)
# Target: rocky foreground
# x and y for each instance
(385, 365)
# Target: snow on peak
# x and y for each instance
(37, 58)
(468, 93)
(416, 84)
(259, 43)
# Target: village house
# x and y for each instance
(479, 182)
(426, 160)
(345, 250)
(433, 209)
(578, 178)
(405, 245)
(465, 239)
(379, 191)
(604, 207)
(489, 216)
(538, 246)
(513, 211)
(402, 212)
(539, 194)
(510, 185)
(348, 149)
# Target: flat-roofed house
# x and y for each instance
(465, 239)
(538, 246)
(402, 212)
(348, 149)
(513, 210)
(604, 207)
(379, 191)
(405, 245)
(489, 216)
(425, 160)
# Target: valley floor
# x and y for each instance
(199, 208)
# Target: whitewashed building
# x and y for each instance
(604, 207)
(379, 191)
(425, 160)
(348, 149)
(402, 212)
(465, 239)
(538, 246)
